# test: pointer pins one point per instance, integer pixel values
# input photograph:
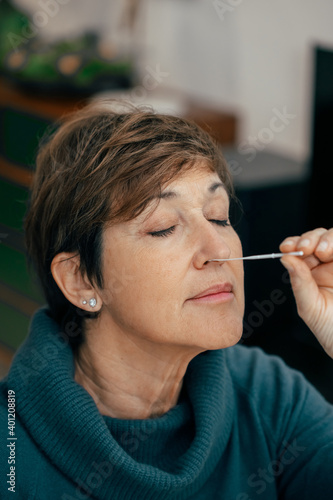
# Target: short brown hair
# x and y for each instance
(103, 165)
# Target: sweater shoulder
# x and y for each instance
(280, 396)
(252, 368)
(266, 378)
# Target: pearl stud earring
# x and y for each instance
(92, 302)
(84, 302)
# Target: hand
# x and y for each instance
(311, 279)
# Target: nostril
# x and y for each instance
(212, 260)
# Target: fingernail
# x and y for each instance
(288, 243)
(304, 243)
(322, 246)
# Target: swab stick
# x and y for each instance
(260, 257)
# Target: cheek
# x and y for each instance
(235, 244)
(148, 305)
(139, 281)
(238, 271)
(237, 266)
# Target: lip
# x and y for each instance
(220, 292)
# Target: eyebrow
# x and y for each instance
(166, 195)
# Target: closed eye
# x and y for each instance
(170, 230)
(223, 223)
(163, 232)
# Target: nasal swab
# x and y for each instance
(260, 257)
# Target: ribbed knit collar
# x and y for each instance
(168, 457)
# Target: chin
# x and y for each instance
(228, 334)
(222, 337)
(223, 342)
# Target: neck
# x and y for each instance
(130, 378)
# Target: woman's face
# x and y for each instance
(155, 268)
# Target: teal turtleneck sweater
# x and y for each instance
(246, 427)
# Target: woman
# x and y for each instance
(130, 385)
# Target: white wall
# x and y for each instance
(253, 58)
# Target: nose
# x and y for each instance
(209, 243)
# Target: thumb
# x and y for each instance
(304, 286)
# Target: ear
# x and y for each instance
(65, 269)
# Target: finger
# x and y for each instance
(289, 244)
(317, 246)
(303, 284)
(324, 247)
(309, 240)
(323, 275)
(312, 261)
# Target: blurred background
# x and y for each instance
(258, 75)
